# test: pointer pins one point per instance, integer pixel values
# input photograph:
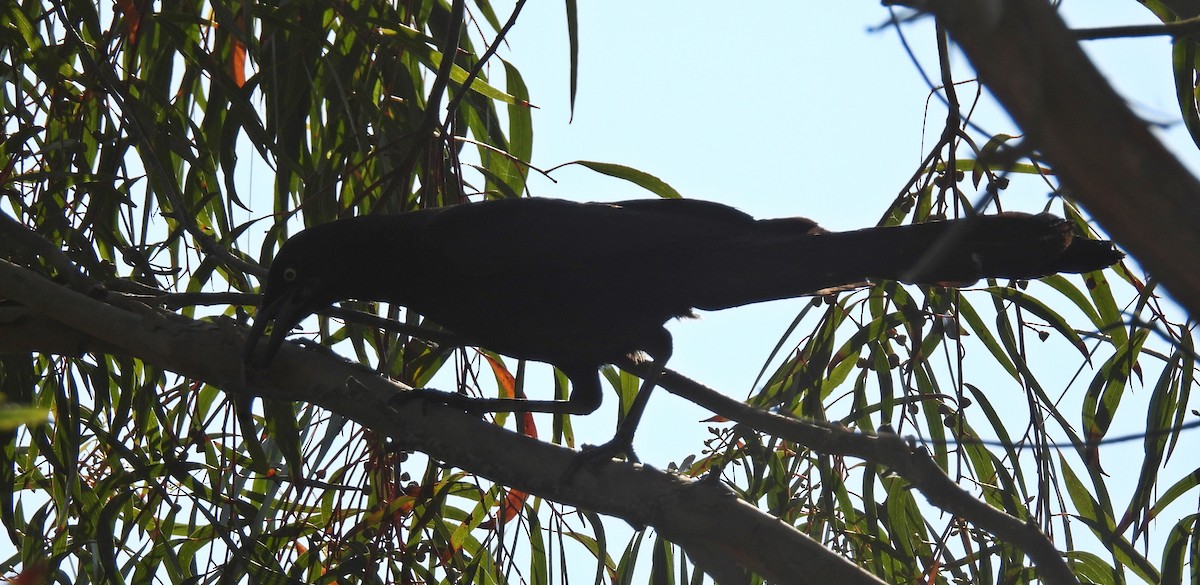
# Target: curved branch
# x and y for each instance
(706, 519)
(908, 461)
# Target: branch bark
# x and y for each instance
(719, 531)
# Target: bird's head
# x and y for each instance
(302, 280)
(355, 258)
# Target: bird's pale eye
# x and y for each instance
(289, 274)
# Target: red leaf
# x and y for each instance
(133, 18)
(508, 385)
(237, 57)
(514, 500)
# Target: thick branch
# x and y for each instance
(703, 517)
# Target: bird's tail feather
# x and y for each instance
(781, 263)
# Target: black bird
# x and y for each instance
(580, 285)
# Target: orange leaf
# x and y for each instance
(508, 385)
(237, 57)
(237, 63)
(514, 500)
(133, 18)
(934, 571)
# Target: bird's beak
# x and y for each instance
(287, 311)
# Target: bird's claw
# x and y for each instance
(597, 454)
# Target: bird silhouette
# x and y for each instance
(580, 285)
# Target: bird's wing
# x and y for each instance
(515, 237)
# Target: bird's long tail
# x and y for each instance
(780, 263)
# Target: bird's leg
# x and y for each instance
(622, 442)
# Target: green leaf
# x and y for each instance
(1065, 287)
(13, 416)
(282, 425)
(640, 178)
(626, 386)
(1090, 568)
(431, 58)
(984, 334)
(573, 42)
(1037, 307)
(1185, 484)
(1099, 519)
(520, 119)
(1107, 388)
(1175, 548)
(1183, 59)
(1159, 418)
(1109, 319)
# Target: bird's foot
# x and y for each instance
(608, 451)
(596, 454)
(713, 475)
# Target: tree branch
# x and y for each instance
(1178, 29)
(908, 461)
(705, 518)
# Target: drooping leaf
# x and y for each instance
(640, 178)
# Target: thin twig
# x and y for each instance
(487, 54)
(1178, 29)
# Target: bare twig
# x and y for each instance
(1178, 29)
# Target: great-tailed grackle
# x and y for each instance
(581, 285)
